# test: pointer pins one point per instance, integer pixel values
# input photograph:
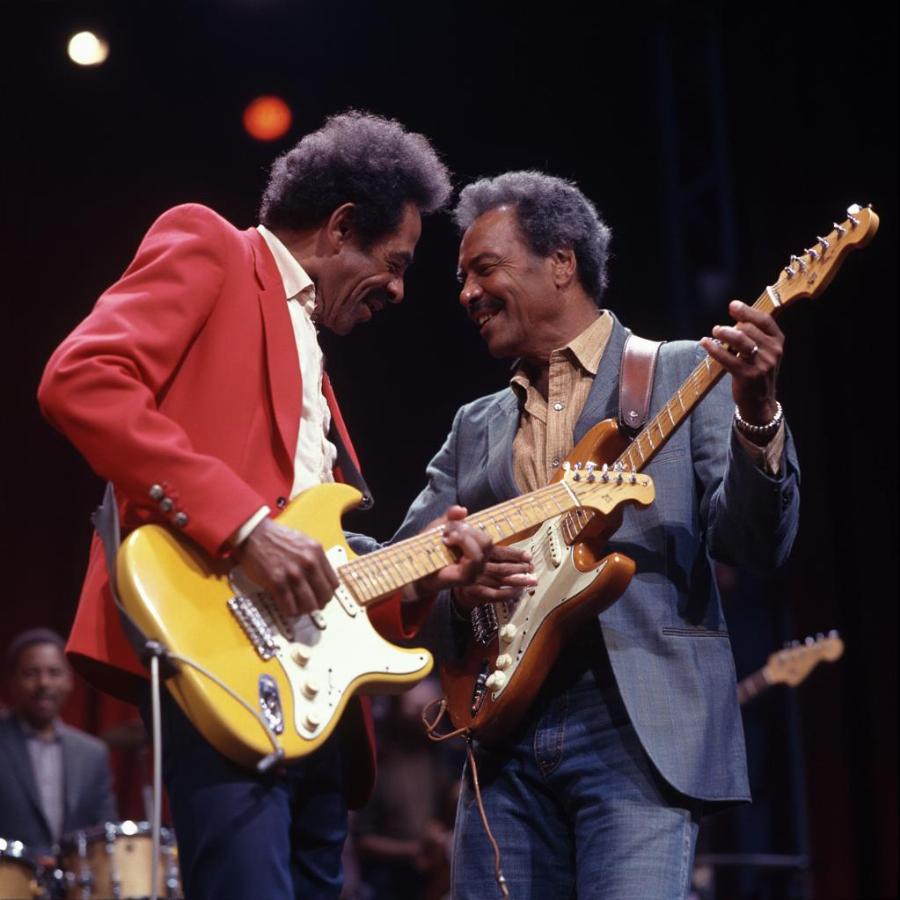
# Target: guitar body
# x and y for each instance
(180, 597)
(576, 582)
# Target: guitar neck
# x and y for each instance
(377, 575)
(680, 405)
(752, 686)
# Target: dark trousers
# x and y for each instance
(243, 835)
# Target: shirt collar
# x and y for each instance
(31, 734)
(586, 349)
(297, 284)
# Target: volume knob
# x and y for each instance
(507, 633)
(301, 654)
(504, 661)
(495, 680)
(312, 720)
(310, 688)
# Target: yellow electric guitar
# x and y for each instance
(791, 665)
(514, 644)
(260, 687)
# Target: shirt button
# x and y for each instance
(181, 519)
(166, 504)
(157, 492)
(554, 462)
(281, 502)
(558, 406)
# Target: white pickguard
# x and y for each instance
(558, 581)
(329, 651)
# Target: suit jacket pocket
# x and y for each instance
(694, 632)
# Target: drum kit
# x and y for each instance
(113, 860)
(109, 860)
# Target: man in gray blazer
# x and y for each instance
(636, 730)
(53, 778)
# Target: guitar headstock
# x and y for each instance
(808, 274)
(792, 665)
(603, 488)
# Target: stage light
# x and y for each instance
(88, 49)
(267, 118)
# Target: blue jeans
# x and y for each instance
(241, 835)
(574, 802)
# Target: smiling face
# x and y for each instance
(360, 280)
(510, 293)
(40, 683)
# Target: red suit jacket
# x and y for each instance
(185, 375)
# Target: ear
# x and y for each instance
(339, 228)
(563, 266)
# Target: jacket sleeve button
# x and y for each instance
(181, 519)
(157, 492)
(281, 502)
(166, 504)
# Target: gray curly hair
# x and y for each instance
(355, 157)
(552, 213)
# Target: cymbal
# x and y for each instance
(127, 735)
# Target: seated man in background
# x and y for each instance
(53, 778)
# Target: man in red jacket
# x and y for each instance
(196, 386)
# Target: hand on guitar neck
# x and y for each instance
(750, 352)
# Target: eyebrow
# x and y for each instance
(402, 257)
(479, 258)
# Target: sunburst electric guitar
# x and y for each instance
(513, 644)
(791, 665)
(272, 687)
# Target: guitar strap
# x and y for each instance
(636, 383)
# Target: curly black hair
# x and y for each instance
(360, 158)
(552, 213)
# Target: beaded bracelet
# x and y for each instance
(766, 430)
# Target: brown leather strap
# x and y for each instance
(636, 382)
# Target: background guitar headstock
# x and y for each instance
(793, 664)
(808, 274)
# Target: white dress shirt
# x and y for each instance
(315, 454)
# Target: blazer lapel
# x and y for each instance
(71, 776)
(502, 424)
(280, 346)
(20, 762)
(603, 399)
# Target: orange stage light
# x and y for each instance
(267, 118)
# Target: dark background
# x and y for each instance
(714, 139)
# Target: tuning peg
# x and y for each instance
(819, 636)
(823, 242)
(800, 263)
(789, 271)
(839, 229)
(812, 252)
(604, 473)
(794, 644)
(853, 211)
(809, 641)
(833, 633)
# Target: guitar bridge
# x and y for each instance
(253, 625)
(484, 623)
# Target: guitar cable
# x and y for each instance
(466, 735)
